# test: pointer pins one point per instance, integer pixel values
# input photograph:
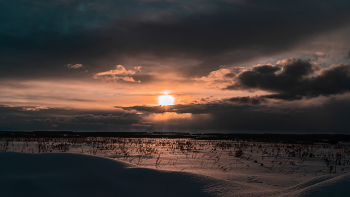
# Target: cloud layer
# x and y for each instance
(36, 118)
(119, 73)
(105, 33)
(330, 117)
(294, 79)
(217, 58)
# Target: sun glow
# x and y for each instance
(166, 100)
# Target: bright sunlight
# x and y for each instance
(166, 100)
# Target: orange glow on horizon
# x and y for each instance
(168, 116)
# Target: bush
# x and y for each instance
(239, 153)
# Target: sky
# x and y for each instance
(246, 66)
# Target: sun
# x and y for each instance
(166, 100)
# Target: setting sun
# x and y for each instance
(166, 100)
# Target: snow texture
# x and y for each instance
(64, 174)
(80, 175)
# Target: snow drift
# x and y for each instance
(63, 174)
(80, 175)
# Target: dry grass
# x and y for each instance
(223, 155)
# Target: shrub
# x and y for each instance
(239, 153)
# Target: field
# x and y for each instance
(240, 168)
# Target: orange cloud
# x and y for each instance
(119, 73)
(74, 66)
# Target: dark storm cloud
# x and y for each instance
(192, 108)
(331, 117)
(124, 119)
(266, 69)
(254, 100)
(34, 118)
(295, 80)
(152, 109)
(39, 37)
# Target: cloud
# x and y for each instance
(217, 75)
(74, 66)
(329, 117)
(292, 79)
(224, 116)
(119, 73)
(180, 45)
(46, 118)
(192, 108)
(310, 119)
(266, 69)
(58, 98)
(200, 108)
(253, 100)
(210, 33)
(124, 119)
(320, 54)
(220, 77)
(154, 109)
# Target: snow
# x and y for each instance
(80, 175)
(323, 186)
(85, 170)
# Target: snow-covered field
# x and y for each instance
(170, 167)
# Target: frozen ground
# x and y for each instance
(163, 167)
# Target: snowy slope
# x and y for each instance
(80, 175)
(65, 174)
